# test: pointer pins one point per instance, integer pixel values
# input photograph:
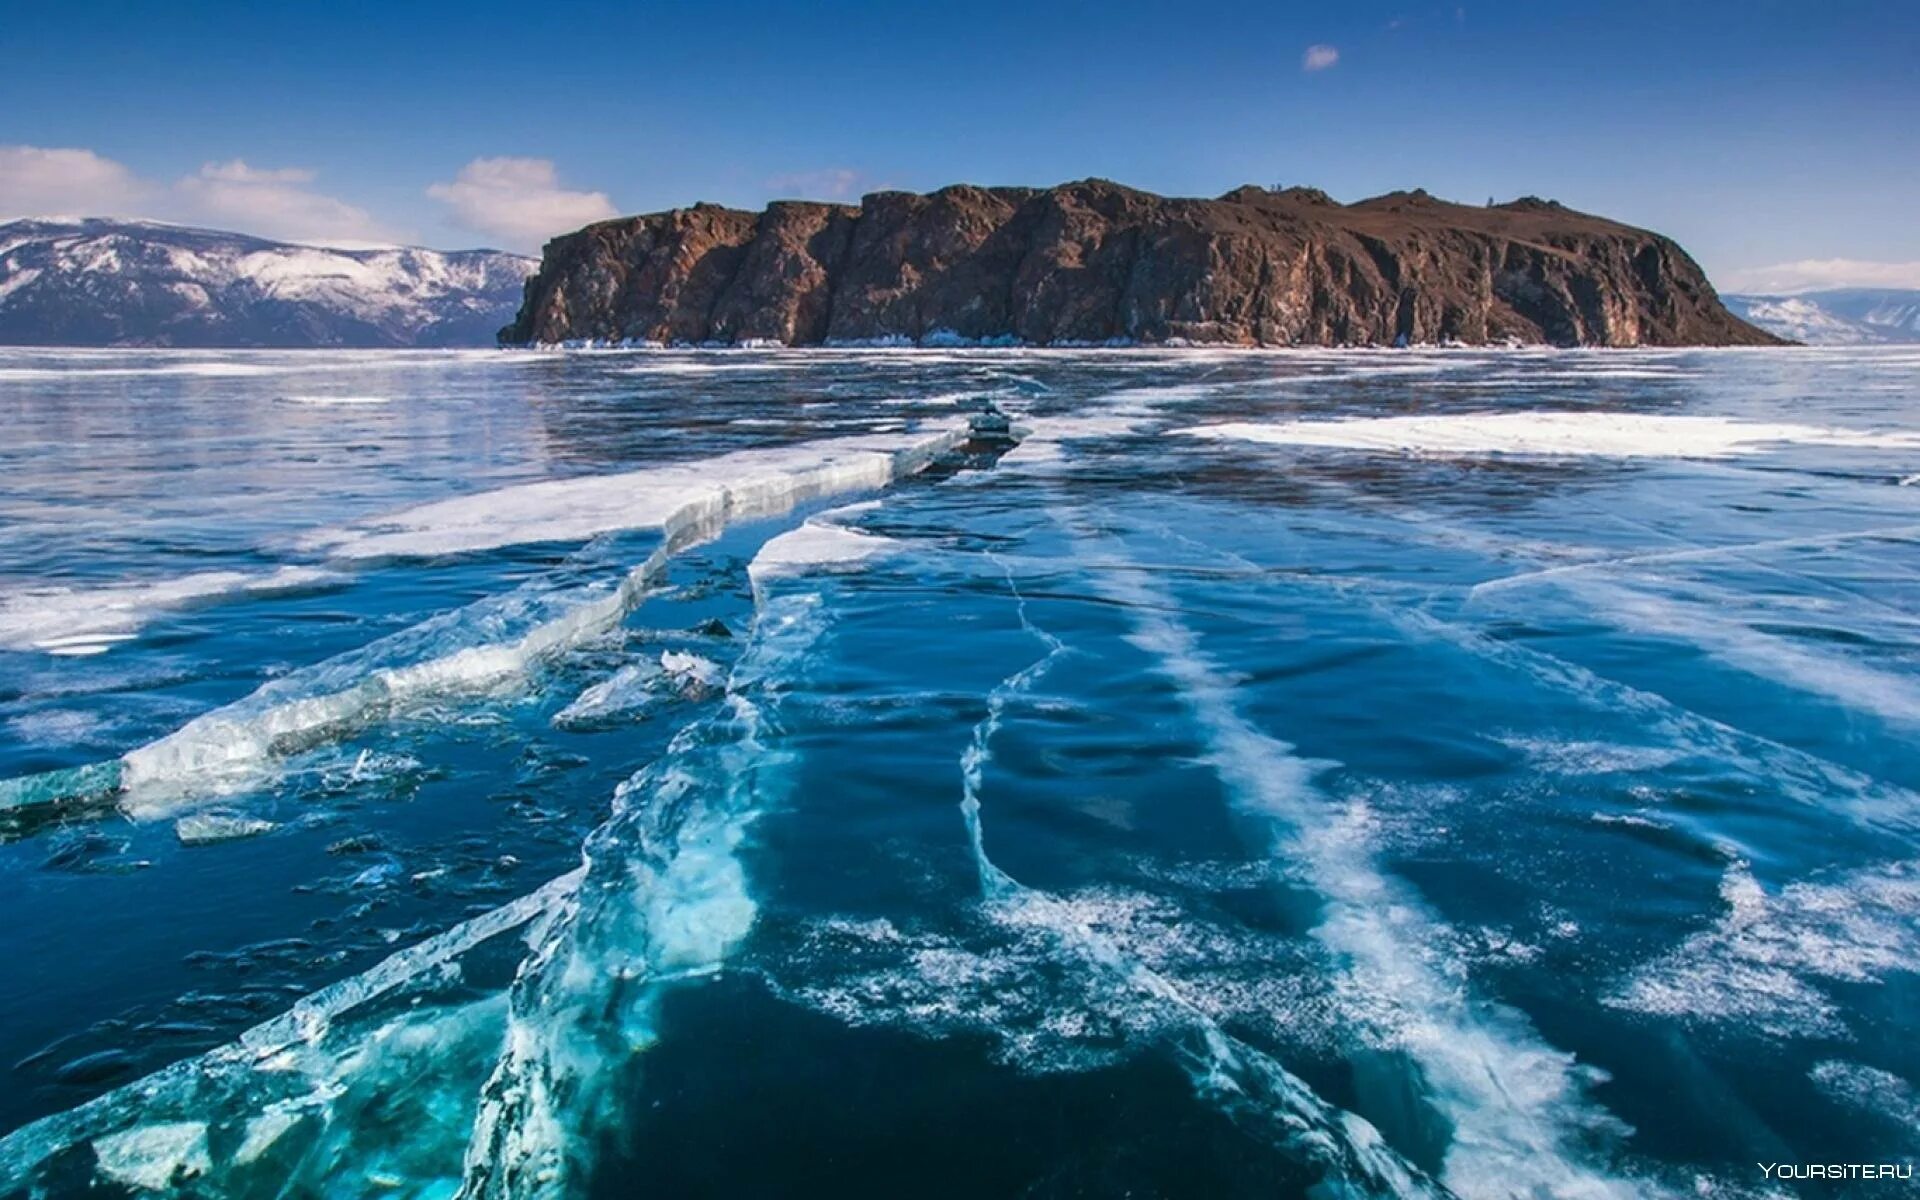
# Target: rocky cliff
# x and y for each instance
(1094, 262)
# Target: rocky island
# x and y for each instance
(1093, 263)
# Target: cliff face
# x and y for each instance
(1093, 262)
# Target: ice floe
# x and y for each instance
(306, 1078)
(688, 670)
(199, 829)
(628, 691)
(822, 542)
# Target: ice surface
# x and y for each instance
(1545, 433)
(1695, 554)
(1783, 769)
(1290, 941)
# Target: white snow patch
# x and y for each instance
(1868, 1088)
(338, 401)
(690, 669)
(812, 546)
(153, 1158)
(1760, 966)
(1550, 434)
(745, 483)
(82, 621)
(200, 829)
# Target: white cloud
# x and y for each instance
(1319, 57)
(1816, 274)
(519, 200)
(37, 182)
(238, 171)
(831, 183)
(275, 203)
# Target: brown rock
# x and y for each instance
(1094, 262)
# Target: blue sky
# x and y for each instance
(1758, 134)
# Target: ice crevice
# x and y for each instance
(509, 1087)
(1521, 1120)
(204, 1116)
(1250, 1087)
(1690, 554)
(1846, 682)
(228, 749)
(665, 901)
(1799, 775)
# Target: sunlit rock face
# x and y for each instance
(1094, 262)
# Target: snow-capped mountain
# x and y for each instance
(1840, 317)
(135, 283)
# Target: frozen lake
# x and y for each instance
(1396, 773)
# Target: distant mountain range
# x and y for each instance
(1841, 317)
(135, 283)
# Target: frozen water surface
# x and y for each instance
(1319, 774)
